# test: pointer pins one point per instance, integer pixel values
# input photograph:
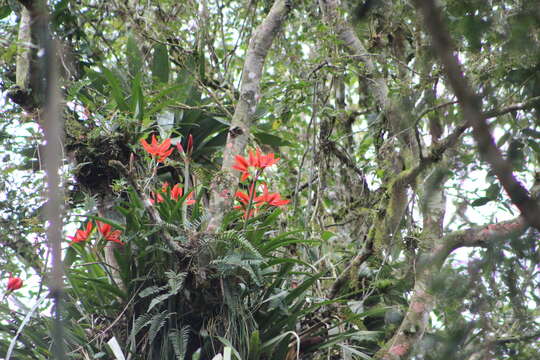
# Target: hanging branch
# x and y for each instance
(471, 106)
(224, 184)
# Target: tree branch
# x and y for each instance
(224, 184)
(30, 91)
(355, 263)
(346, 160)
(527, 104)
(438, 149)
(346, 33)
(512, 339)
(422, 301)
(471, 104)
(53, 131)
(483, 236)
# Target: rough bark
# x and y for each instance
(422, 302)
(224, 184)
(30, 91)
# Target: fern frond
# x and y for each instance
(192, 225)
(174, 227)
(233, 239)
(244, 243)
(175, 284)
(141, 322)
(156, 324)
(203, 175)
(179, 340)
(151, 290)
(176, 281)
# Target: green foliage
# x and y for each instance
(233, 289)
(255, 286)
(160, 63)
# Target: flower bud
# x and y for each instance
(14, 283)
(190, 144)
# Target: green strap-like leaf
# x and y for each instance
(116, 89)
(160, 63)
(134, 56)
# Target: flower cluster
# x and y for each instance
(253, 166)
(104, 229)
(255, 162)
(176, 193)
(272, 199)
(162, 151)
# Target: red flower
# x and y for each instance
(176, 192)
(14, 283)
(160, 151)
(81, 235)
(164, 187)
(105, 230)
(272, 199)
(243, 197)
(256, 160)
(242, 165)
(265, 160)
(189, 199)
(156, 197)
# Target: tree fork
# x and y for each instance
(225, 183)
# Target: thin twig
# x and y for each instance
(527, 104)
